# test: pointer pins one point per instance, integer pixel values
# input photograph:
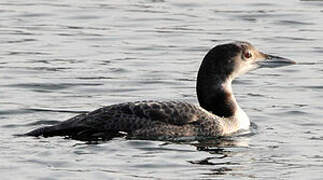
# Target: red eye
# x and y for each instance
(248, 54)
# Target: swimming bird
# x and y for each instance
(218, 113)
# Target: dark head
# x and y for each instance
(224, 63)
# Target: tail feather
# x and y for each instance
(79, 133)
(37, 132)
(49, 131)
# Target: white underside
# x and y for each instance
(243, 119)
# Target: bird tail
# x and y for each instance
(78, 133)
(49, 131)
(37, 132)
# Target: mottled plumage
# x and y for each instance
(218, 114)
(139, 119)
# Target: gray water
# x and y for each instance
(60, 58)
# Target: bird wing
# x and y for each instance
(128, 117)
(170, 112)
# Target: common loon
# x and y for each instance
(218, 114)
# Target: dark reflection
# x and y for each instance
(217, 168)
(206, 161)
(220, 150)
(219, 171)
(213, 145)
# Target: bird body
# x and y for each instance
(139, 119)
(217, 115)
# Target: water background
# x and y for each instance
(59, 58)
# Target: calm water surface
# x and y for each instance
(60, 58)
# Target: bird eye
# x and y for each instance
(247, 54)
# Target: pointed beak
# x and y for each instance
(271, 61)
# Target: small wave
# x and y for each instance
(41, 122)
(55, 110)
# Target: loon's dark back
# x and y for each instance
(141, 119)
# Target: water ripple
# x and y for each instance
(58, 55)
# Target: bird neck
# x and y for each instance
(216, 96)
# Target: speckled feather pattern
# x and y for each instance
(220, 115)
(145, 119)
